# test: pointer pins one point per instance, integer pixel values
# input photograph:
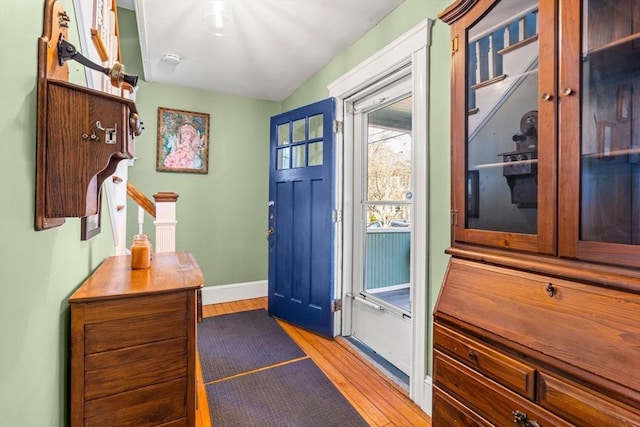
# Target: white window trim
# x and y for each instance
(409, 49)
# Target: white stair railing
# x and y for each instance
(164, 213)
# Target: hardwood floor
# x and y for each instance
(379, 400)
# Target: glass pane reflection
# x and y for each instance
(283, 134)
(315, 126)
(299, 156)
(299, 130)
(315, 153)
(502, 119)
(283, 158)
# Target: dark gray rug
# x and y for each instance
(234, 343)
(296, 394)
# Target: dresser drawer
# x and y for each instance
(447, 411)
(506, 370)
(489, 399)
(115, 334)
(149, 406)
(117, 371)
(581, 405)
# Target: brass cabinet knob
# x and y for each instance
(566, 91)
(547, 96)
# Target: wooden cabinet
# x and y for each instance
(133, 343)
(82, 134)
(511, 342)
(538, 319)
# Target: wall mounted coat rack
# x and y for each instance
(82, 134)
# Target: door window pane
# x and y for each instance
(389, 152)
(315, 153)
(299, 130)
(315, 126)
(388, 254)
(299, 156)
(502, 119)
(283, 158)
(283, 134)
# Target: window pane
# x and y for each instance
(283, 134)
(389, 152)
(315, 126)
(299, 160)
(283, 158)
(299, 130)
(315, 153)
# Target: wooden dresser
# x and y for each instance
(133, 343)
(538, 320)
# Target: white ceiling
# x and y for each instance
(273, 46)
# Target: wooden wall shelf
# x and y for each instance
(82, 133)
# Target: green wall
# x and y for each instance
(221, 216)
(38, 270)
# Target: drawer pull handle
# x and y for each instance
(523, 420)
(473, 356)
(550, 290)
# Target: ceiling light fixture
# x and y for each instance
(218, 18)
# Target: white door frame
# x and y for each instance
(410, 49)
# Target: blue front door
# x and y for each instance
(301, 227)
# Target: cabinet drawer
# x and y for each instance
(105, 336)
(150, 406)
(117, 371)
(447, 411)
(492, 401)
(581, 405)
(550, 316)
(508, 371)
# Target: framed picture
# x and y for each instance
(473, 188)
(183, 141)
(90, 226)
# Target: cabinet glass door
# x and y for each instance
(608, 226)
(504, 138)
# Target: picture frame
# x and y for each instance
(183, 141)
(473, 196)
(90, 226)
(624, 102)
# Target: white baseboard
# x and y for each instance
(427, 396)
(234, 292)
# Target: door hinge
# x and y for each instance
(454, 45)
(337, 126)
(454, 217)
(336, 305)
(336, 215)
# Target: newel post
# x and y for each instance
(165, 221)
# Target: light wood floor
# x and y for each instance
(379, 400)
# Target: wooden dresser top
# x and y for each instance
(114, 278)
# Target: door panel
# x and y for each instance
(301, 228)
